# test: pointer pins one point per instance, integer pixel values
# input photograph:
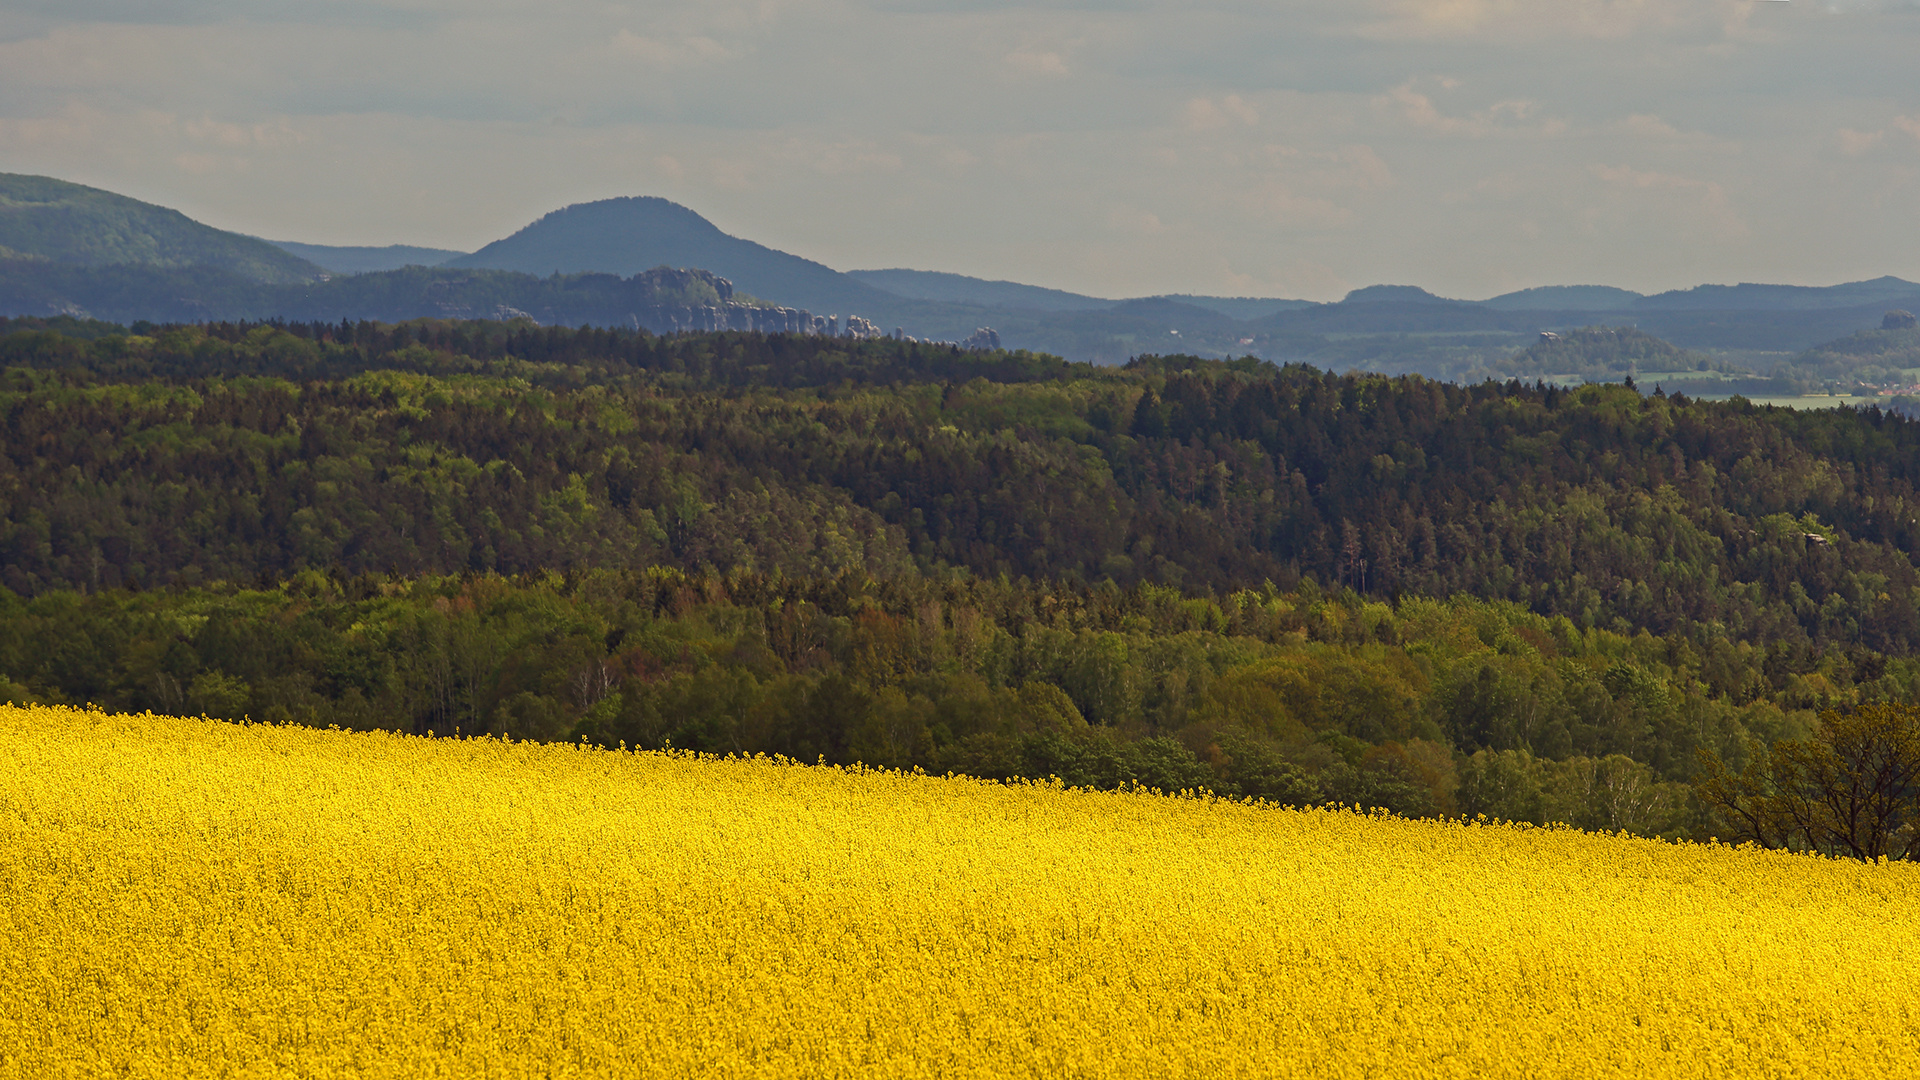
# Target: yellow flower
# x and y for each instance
(188, 898)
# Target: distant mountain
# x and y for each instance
(1169, 310)
(661, 300)
(1394, 309)
(1749, 329)
(364, 260)
(1749, 297)
(1394, 294)
(1242, 308)
(961, 289)
(68, 249)
(44, 218)
(630, 235)
(1565, 298)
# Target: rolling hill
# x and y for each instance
(961, 289)
(75, 225)
(629, 235)
(1880, 292)
(1565, 298)
(364, 260)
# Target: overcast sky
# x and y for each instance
(1282, 148)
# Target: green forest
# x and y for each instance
(1509, 598)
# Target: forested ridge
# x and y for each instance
(1638, 576)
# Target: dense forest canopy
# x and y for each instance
(255, 452)
(1196, 571)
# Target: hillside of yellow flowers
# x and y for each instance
(193, 898)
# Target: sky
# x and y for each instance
(1295, 148)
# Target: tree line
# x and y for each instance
(1423, 706)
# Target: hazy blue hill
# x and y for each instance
(660, 299)
(69, 249)
(128, 293)
(1877, 344)
(961, 289)
(41, 217)
(1788, 330)
(1750, 297)
(1176, 314)
(366, 260)
(1565, 298)
(1603, 352)
(1876, 356)
(629, 235)
(1394, 309)
(1241, 308)
(1394, 294)
(655, 299)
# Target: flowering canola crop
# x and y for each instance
(185, 898)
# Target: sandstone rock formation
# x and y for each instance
(984, 339)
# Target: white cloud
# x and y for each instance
(1512, 117)
(1204, 114)
(1345, 168)
(1537, 20)
(279, 132)
(1036, 62)
(1647, 127)
(1276, 203)
(1843, 7)
(1854, 143)
(1131, 219)
(1677, 198)
(673, 52)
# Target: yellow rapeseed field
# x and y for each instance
(186, 898)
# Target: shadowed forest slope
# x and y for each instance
(253, 452)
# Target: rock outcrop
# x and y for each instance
(1898, 320)
(862, 330)
(708, 318)
(984, 339)
(697, 301)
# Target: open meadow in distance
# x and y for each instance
(190, 898)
